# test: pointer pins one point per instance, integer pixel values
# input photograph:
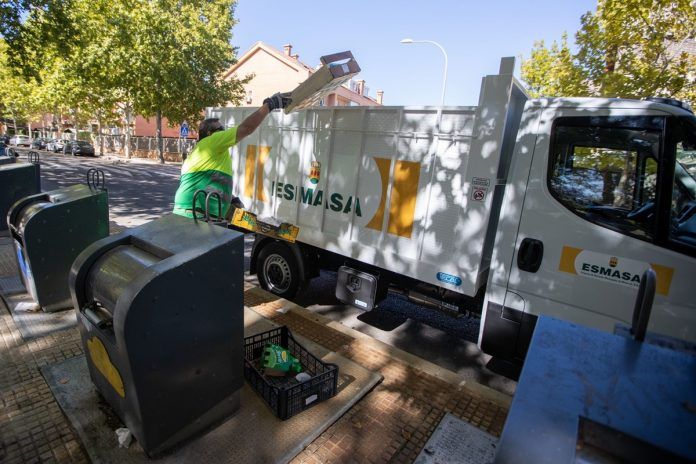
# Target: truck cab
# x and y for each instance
(599, 190)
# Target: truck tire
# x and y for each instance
(278, 270)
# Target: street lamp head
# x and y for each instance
(406, 41)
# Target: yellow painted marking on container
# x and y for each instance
(249, 169)
(568, 256)
(263, 152)
(664, 278)
(403, 198)
(100, 359)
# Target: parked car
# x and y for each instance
(56, 145)
(79, 147)
(20, 141)
(39, 143)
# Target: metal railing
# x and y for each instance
(116, 143)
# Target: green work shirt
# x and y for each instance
(209, 168)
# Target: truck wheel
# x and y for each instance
(278, 270)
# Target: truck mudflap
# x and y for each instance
(269, 227)
(507, 333)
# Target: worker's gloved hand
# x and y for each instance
(278, 101)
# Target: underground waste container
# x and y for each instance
(17, 180)
(161, 316)
(49, 230)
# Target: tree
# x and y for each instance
(162, 58)
(182, 52)
(626, 48)
(20, 97)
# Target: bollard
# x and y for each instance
(49, 230)
(161, 316)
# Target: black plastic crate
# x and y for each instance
(285, 395)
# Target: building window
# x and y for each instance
(248, 97)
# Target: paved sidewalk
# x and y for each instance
(390, 424)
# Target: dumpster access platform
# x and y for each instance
(390, 423)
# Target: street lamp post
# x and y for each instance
(444, 77)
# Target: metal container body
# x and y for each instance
(49, 231)
(160, 311)
(114, 271)
(17, 180)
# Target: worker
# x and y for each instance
(209, 166)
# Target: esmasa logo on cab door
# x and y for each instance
(613, 269)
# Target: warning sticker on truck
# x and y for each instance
(479, 188)
(614, 269)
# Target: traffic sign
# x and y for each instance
(183, 132)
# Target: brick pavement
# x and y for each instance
(390, 424)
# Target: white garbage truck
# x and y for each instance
(513, 208)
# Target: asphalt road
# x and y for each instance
(140, 191)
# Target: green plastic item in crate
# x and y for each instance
(277, 360)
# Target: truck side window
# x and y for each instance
(683, 214)
(606, 174)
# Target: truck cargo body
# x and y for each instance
(387, 186)
(552, 206)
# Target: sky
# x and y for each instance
(474, 34)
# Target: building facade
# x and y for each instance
(274, 71)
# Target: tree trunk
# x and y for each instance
(160, 142)
(100, 135)
(29, 130)
(623, 199)
(127, 138)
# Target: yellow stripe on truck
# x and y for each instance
(664, 278)
(249, 171)
(263, 152)
(383, 165)
(402, 207)
(255, 164)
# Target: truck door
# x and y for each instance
(609, 196)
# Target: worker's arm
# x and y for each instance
(253, 121)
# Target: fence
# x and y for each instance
(146, 147)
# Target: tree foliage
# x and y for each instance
(160, 58)
(626, 48)
(27, 25)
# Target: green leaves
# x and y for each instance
(92, 57)
(626, 48)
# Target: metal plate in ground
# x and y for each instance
(252, 435)
(455, 440)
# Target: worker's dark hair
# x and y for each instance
(206, 127)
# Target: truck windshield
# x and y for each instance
(683, 222)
